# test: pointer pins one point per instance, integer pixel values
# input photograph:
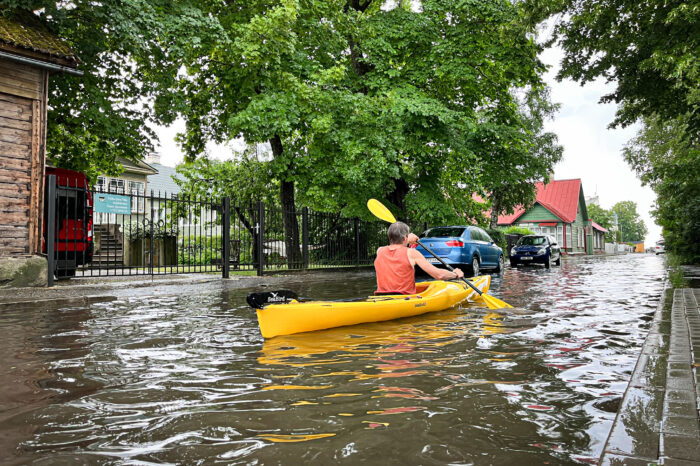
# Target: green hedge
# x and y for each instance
(499, 237)
(518, 231)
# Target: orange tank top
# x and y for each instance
(394, 271)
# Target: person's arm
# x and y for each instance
(416, 258)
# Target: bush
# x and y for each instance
(199, 250)
(518, 231)
(499, 237)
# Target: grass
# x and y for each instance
(675, 273)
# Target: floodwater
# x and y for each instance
(189, 380)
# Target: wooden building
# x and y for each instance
(560, 211)
(29, 53)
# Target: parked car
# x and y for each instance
(660, 247)
(535, 249)
(467, 247)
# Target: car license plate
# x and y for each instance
(526, 258)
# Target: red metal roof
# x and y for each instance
(559, 197)
(598, 227)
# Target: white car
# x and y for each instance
(660, 247)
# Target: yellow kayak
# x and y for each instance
(295, 317)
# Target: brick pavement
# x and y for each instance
(658, 422)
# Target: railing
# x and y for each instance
(105, 233)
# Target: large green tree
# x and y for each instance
(669, 162)
(404, 101)
(605, 219)
(632, 228)
(358, 99)
(105, 114)
(648, 50)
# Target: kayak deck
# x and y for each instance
(296, 317)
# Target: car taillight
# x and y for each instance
(89, 232)
(454, 244)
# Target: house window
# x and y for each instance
(117, 186)
(137, 190)
(569, 242)
(101, 184)
(560, 235)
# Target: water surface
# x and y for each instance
(188, 379)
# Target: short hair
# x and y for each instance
(397, 231)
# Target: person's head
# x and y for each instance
(398, 231)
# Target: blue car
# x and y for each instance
(467, 247)
(535, 249)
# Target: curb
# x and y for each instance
(53, 303)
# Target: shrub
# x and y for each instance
(499, 237)
(514, 230)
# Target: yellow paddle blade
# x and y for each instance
(379, 211)
(492, 302)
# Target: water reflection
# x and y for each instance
(188, 379)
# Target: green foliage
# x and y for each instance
(318, 78)
(514, 230)
(139, 230)
(96, 118)
(631, 227)
(648, 49)
(499, 237)
(669, 162)
(604, 218)
(199, 250)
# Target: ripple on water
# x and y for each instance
(188, 378)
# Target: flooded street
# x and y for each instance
(188, 379)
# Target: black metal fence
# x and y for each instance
(119, 231)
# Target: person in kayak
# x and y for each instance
(395, 263)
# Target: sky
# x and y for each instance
(592, 152)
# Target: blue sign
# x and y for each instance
(112, 203)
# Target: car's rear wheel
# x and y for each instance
(501, 264)
(558, 261)
(475, 266)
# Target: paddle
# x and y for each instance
(381, 212)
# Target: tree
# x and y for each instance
(96, 118)
(246, 180)
(518, 159)
(670, 163)
(358, 100)
(605, 219)
(632, 228)
(648, 49)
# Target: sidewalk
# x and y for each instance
(82, 291)
(658, 422)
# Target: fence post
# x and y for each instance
(150, 249)
(261, 237)
(51, 229)
(357, 241)
(305, 236)
(425, 226)
(226, 237)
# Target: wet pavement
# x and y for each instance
(178, 373)
(658, 418)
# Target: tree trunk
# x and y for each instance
(289, 214)
(495, 206)
(398, 195)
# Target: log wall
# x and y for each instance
(22, 140)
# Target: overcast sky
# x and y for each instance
(592, 152)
